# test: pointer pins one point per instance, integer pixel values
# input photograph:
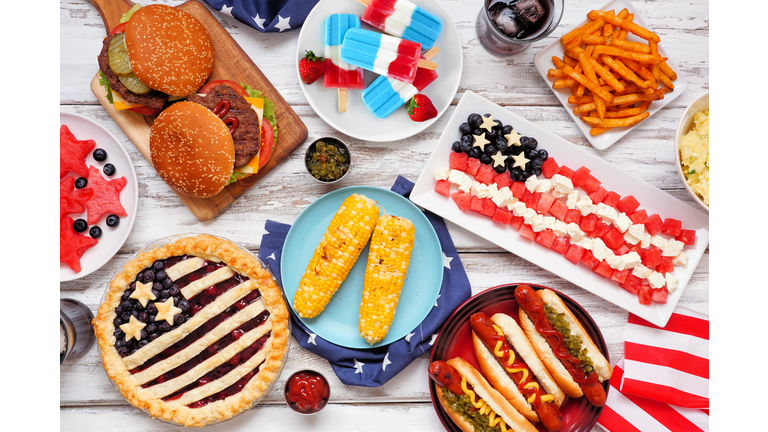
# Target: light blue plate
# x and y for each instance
(338, 323)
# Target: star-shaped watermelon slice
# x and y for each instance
(73, 245)
(100, 196)
(73, 153)
(66, 204)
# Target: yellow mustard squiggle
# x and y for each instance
(483, 407)
(533, 384)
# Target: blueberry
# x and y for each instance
(174, 290)
(485, 158)
(465, 128)
(143, 342)
(151, 328)
(164, 294)
(478, 131)
(164, 326)
(501, 144)
(143, 316)
(117, 322)
(167, 283)
(81, 182)
(531, 154)
(125, 316)
(120, 341)
(490, 150)
(119, 333)
(135, 313)
(100, 154)
(143, 335)
(183, 305)
(506, 129)
(158, 265)
(528, 143)
(536, 171)
(178, 319)
(95, 232)
(153, 336)
(543, 154)
(127, 305)
(456, 146)
(109, 170)
(516, 174)
(466, 143)
(498, 127)
(148, 276)
(475, 120)
(474, 152)
(80, 225)
(499, 168)
(536, 163)
(122, 351)
(113, 220)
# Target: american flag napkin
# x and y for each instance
(266, 15)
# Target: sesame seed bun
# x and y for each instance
(169, 49)
(192, 149)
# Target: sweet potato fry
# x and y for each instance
(628, 112)
(616, 122)
(626, 25)
(591, 85)
(618, 52)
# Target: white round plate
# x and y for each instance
(111, 239)
(358, 121)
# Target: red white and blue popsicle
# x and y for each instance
(338, 73)
(390, 56)
(403, 19)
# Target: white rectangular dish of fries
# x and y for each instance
(611, 73)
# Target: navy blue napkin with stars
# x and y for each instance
(374, 367)
(266, 15)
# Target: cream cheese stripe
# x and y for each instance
(183, 268)
(220, 275)
(199, 345)
(221, 357)
(227, 380)
(201, 317)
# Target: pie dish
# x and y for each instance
(194, 330)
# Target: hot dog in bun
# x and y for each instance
(471, 402)
(563, 345)
(511, 365)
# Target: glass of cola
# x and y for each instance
(506, 27)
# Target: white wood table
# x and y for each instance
(89, 402)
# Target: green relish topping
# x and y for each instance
(327, 162)
(573, 342)
(462, 405)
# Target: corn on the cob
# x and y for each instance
(345, 238)
(388, 259)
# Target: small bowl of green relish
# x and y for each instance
(327, 159)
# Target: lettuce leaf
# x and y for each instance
(103, 81)
(269, 106)
(235, 177)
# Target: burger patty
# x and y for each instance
(153, 99)
(247, 135)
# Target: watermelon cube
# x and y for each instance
(516, 222)
(527, 231)
(487, 207)
(588, 222)
(659, 295)
(574, 253)
(604, 269)
(476, 204)
(611, 199)
(503, 180)
(549, 167)
(627, 205)
(518, 190)
(558, 209)
(666, 265)
(485, 174)
(623, 249)
(501, 216)
(590, 184)
(545, 202)
(639, 217)
(653, 224)
(565, 172)
(545, 238)
(613, 238)
(636, 248)
(632, 283)
(589, 259)
(651, 257)
(600, 229)
(473, 164)
(688, 237)
(572, 216)
(645, 294)
(462, 200)
(560, 245)
(458, 161)
(443, 187)
(671, 227)
(531, 199)
(599, 195)
(620, 276)
(580, 176)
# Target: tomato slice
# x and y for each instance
(120, 28)
(145, 110)
(267, 142)
(237, 87)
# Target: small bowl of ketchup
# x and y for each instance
(307, 392)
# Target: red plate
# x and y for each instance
(455, 340)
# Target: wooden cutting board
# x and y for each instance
(231, 63)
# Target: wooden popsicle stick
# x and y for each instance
(431, 53)
(426, 64)
(364, 2)
(342, 100)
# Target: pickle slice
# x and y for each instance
(134, 84)
(118, 56)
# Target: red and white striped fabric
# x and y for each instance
(670, 364)
(629, 413)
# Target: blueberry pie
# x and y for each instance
(194, 331)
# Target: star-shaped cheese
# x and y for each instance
(488, 123)
(513, 138)
(480, 141)
(132, 328)
(498, 159)
(520, 161)
(143, 293)
(166, 311)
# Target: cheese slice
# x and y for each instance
(253, 166)
(122, 104)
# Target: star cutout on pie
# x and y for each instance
(488, 123)
(480, 141)
(73, 245)
(143, 293)
(513, 138)
(73, 153)
(66, 204)
(132, 328)
(101, 196)
(520, 161)
(166, 311)
(499, 159)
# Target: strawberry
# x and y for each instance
(420, 108)
(311, 67)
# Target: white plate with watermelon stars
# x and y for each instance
(675, 267)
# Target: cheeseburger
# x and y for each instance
(156, 52)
